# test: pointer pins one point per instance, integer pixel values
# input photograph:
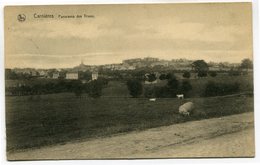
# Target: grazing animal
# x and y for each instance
(186, 109)
(152, 99)
(180, 96)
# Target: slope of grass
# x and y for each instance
(44, 120)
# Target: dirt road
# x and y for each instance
(230, 136)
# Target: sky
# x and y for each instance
(219, 32)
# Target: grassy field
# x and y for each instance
(44, 120)
(34, 121)
(119, 89)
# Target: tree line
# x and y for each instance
(171, 89)
(92, 88)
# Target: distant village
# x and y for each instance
(126, 65)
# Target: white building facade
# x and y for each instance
(72, 75)
(94, 75)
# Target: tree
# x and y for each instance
(9, 74)
(139, 75)
(201, 67)
(186, 74)
(151, 77)
(135, 87)
(173, 85)
(246, 64)
(50, 72)
(62, 74)
(185, 87)
(85, 75)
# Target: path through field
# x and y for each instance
(230, 136)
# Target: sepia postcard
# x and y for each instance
(129, 81)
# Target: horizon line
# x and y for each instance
(121, 63)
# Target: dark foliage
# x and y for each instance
(11, 75)
(139, 75)
(220, 89)
(186, 74)
(173, 85)
(93, 88)
(167, 91)
(163, 92)
(246, 64)
(234, 72)
(201, 67)
(202, 74)
(185, 88)
(151, 77)
(162, 76)
(149, 92)
(87, 75)
(135, 87)
(170, 76)
(170, 90)
(213, 73)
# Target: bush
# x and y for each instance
(139, 75)
(202, 74)
(102, 81)
(95, 88)
(220, 89)
(185, 88)
(173, 85)
(168, 91)
(135, 87)
(162, 76)
(186, 74)
(78, 90)
(234, 72)
(151, 77)
(170, 76)
(213, 74)
(149, 92)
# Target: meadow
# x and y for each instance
(40, 120)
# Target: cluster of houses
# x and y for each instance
(129, 64)
(74, 75)
(54, 74)
(132, 64)
(178, 64)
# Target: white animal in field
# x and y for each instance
(152, 99)
(186, 108)
(180, 96)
